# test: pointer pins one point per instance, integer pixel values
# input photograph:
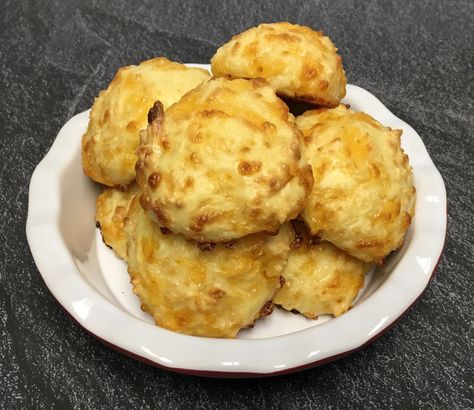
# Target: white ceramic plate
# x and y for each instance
(93, 285)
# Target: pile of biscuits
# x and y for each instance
(224, 204)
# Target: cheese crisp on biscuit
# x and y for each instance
(212, 290)
(120, 112)
(223, 162)
(363, 197)
(300, 63)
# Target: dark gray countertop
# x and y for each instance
(417, 57)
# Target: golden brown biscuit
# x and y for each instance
(214, 292)
(111, 210)
(363, 196)
(300, 63)
(320, 279)
(120, 112)
(223, 162)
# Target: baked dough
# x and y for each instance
(363, 196)
(211, 291)
(300, 63)
(120, 112)
(320, 279)
(223, 162)
(111, 210)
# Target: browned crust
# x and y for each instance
(154, 180)
(206, 246)
(156, 113)
(267, 309)
(248, 168)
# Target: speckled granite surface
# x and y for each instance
(417, 57)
